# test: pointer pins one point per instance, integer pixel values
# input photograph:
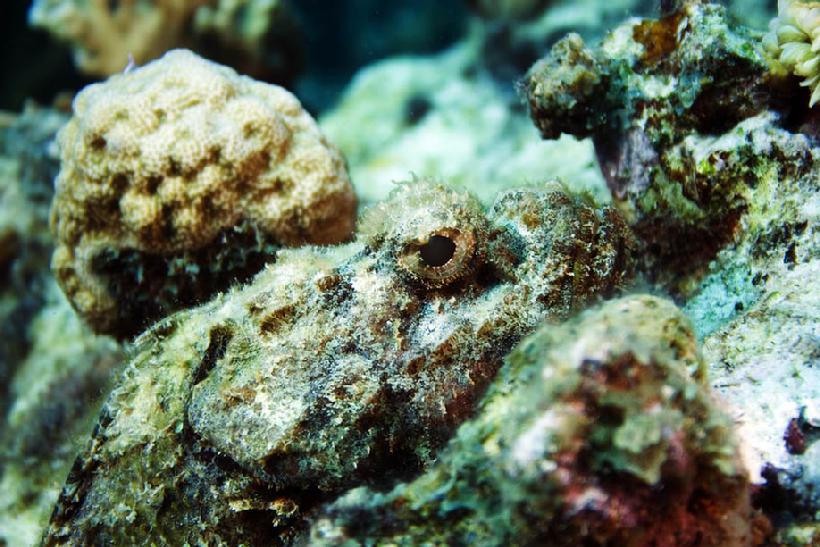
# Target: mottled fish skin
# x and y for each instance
(336, 367)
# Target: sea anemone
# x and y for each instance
(794, 42)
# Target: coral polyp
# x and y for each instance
(794, 42)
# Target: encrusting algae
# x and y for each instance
(713, 160)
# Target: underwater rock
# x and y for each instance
(665, 102)
(336, 367)
(508, 47)
(439, 117)
(180, 178)
(602, 431)
(108, 36)
(766, 364)
(794, 43)
(758, 315)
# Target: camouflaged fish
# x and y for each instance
(336, 367)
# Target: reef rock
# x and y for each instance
(665, 102)
(758, 314)
(54, 399)
(510, 45)
(180, 178)
(336, 367)
(602, 431)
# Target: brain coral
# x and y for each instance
(180, 177)
(794, 41)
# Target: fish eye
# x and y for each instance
(440, 258)
(438, 251)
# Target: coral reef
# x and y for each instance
(665, 103)
(108, 36)
(764, 363)
(336, 367)
(344, 37)
(757, 312)
(178, 179)
(600, 432)
(508, 46)
(422, 120)
(431, 381)
(794, 42)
